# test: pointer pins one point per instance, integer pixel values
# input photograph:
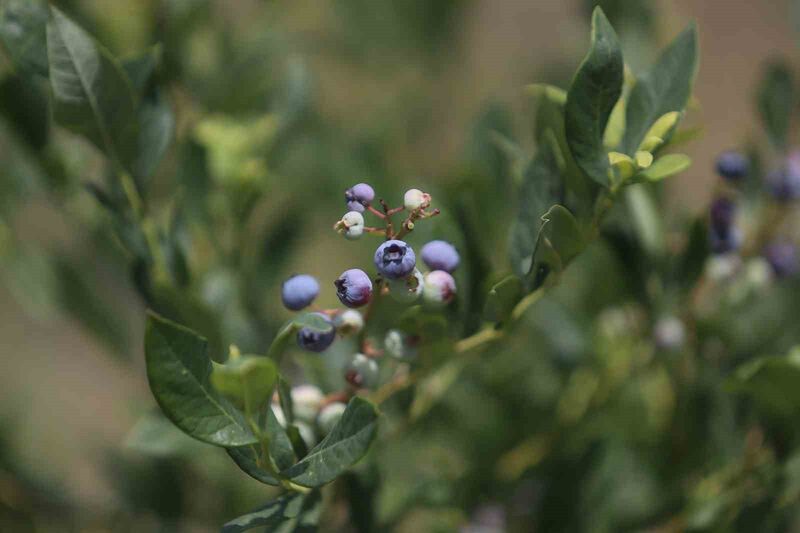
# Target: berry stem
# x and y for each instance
(376, 212)
(387, 217)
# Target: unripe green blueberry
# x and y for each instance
(348, 322)
(329, 416)
(351, 225)
(439, 288)
(400, 345)
(362, 372)
(408, 289)
(416, 199)
(306, 401)
(669, 333)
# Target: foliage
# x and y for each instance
(600, 369)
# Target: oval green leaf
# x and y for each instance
(344, 446)
(179, 370)
(591, 98)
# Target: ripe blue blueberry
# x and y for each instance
(395, 259)
(316, 341)
(354, 288)
(299, 291)
(782, 257)
(359, 197)
(440, 255)
(732, 165)
(784, 183)
(440, 288)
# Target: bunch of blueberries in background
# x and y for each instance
(726, 234)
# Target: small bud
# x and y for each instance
(416, 199)
(400, 345)
(439, 288)
(348, 322)
(663, 126)
(408, 289)
(351, 225)
(362, 372)
(329, 416)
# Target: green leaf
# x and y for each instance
(291, 512)
(285, 398)
(179, 370)
(550, 134)
(540, 190)
(646, 219)
(280, 449)
(666, 166)
(248, 379)
(344, 446)
(503, 297)
(666, 87)
(91, 94)
(155, 436)
(155, 116)
(23, 33)
(776, 102)
(288, 332)
(773, 382)
(591, 98)
(560, 240)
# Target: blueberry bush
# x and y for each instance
(535, 345)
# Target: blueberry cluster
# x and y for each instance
(398, 275)
(725, 234)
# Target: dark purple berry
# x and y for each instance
(299, 291)
(354, 288)
(722, 213)
(395, 259)
(725, 242)
(732, 165)
(440, 255)
(314, 340)
(782, 257)
(784, 183)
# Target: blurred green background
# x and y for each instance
(304, 98)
